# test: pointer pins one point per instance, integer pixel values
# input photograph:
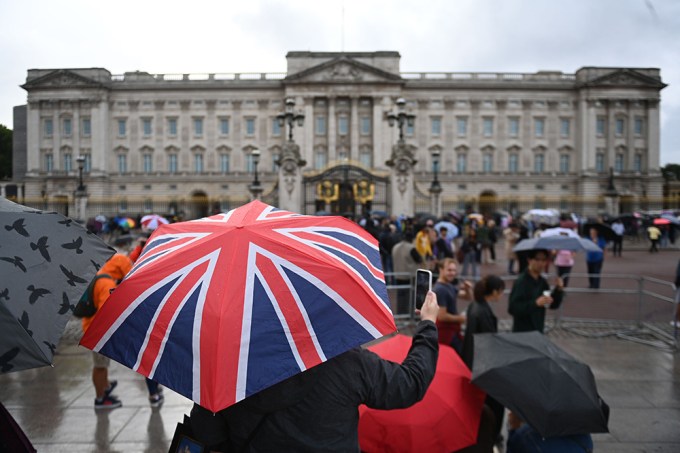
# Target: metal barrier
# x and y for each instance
(640, 306)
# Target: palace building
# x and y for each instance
(339, 132)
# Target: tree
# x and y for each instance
(671, 172)
(5, 152)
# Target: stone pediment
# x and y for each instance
(625, 78)
(343, 70)
(62, 78)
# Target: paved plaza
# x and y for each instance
(637, 372)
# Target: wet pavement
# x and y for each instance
(641, 383)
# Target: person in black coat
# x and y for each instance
(481, 319)
(318, 410)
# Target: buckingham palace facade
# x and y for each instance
(339, 132)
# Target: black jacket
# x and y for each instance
(317, 411)
(479, 319)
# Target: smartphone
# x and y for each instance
(423, 285)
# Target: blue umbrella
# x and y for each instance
(452, 230)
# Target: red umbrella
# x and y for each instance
(446, 419)
(220, 308)
(661, 221)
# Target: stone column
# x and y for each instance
(653, 133)
(330, 130)
(402, 188)
(354, 129)
(290, 178)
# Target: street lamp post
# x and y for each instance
(81, 164)
(400, 118)
(435, 186)
(81, 190)
(290, 117)
(255, 186)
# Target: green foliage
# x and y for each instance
(5, 152)
(671, 172)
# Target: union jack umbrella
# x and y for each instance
(223, 307)
(153, 221)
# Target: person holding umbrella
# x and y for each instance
(318, 410)
(531, 295)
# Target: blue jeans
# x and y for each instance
(594, 267)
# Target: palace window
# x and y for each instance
(564, 163)
(86, 127)
(198, 127)
(172, 127)
(461, 125)
(122, 163)
(172, 163)
(148, 163)
(488, 127)
(539, 127)
(513, 166)
(320, 127)
(48, 128)
(67, 127)
(513, 126)
(224, 163)
(565, 127)
(224, 126)
(146, 127)
(539, 163)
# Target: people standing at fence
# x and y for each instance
(654, 234)
(469, 254)
(511, 235)
(448, 289)
(564, 261)
(595, 260)
(531, 296)
(619, 231)
(443, 247)
(406, 260)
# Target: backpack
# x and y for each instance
(86, 307)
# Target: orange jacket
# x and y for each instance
(117, 267)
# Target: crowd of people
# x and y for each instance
(357, 377)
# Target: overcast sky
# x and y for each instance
(199, 36)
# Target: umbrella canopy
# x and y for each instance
(126, 222)
(549, 389)
(542, 216)
(603, 230)
(153, 221)
(479, 218)
(557, 242)
(451, 229)
(671, 218)
(446, 419)
(46, 263)
(222, 307)
(661, 221)
(559, 232)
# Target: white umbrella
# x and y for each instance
(559, 232)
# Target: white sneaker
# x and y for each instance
(675, 324)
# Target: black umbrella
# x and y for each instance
(46, 262)
(603, 230)
(551, 390)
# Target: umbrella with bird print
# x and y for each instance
(46, 263)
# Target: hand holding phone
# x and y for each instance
(423, 285)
